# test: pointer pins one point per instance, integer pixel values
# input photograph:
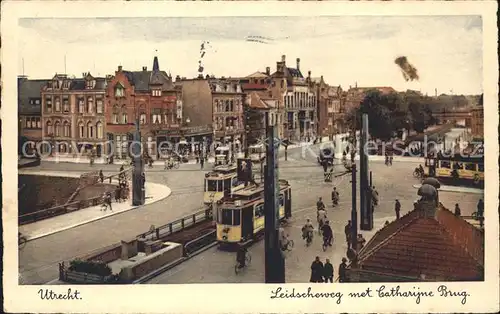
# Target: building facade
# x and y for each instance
(299, 101)
(328, 107)
(227, 102)
(477, 122)
(29, 112)
(73, 120)
(149, 98)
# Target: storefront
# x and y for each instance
(186, 141)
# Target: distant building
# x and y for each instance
(299, 101)
(427, 244)
(152, 99)
(477, 122)
(328, 106)
(73, 114)
(29, 106)
(355, 95)
(259, 107)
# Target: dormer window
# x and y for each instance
(119, 90)
(156, 92)
(66, 84)
(90, 84)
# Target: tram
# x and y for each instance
(220, 183)
(257, 153)
(240, 217)
(222, 155)
(463, 168)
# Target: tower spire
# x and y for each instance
(156, 66)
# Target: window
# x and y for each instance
(99, 105)
(37, 101)
(49, 128)
(227, 105)
(211, 186)
(81, 130)
(227, 185)
(119, 90)
(90, 130)
(65, 104)
(58, 104)
(236, 217)
(124, 118)
(470, 166)
(458, 166)
(156, 92)
(57, 128)
(226, 217)
(282, 202)
(38, 123)
(48, 103)
(234, 182)
(90, 104)
(115, 115)
(156, 116)
(445, 164)
(480, 167)
(28, 123)
(165, 116)
(259, 210)
(66, 129)
(81, 105)
(142, 118)
(99, 130)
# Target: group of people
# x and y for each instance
(325, 273)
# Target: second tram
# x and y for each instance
(220, 183)
(240, 217)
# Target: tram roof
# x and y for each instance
(222, 171)
(255, 189)
(462, 158)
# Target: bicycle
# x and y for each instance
(22, 241)
(326, 243)
(238, 267)
(288, 246)
(174, 165)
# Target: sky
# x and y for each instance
(346, 50)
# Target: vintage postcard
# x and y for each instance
(250, 157)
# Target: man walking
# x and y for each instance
(397, 209)
(328, 271)
(342, 270)
(348, 232)
(317, 270)
(202, 162)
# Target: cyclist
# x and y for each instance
(321, 218)
(283, 239)
(319, 204)
(327, 233)
(307, 230)
(241, 256)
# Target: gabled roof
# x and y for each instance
(261, 101)
(444, 248)
(257, 75)
(143, 79)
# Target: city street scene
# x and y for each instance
(252, 154)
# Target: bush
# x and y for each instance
(90, 267)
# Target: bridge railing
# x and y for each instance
(178, 225)
(69, 206)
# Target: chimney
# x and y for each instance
(268, 71)
(283, 58)
(144, 68)
(120, 68)
(356, 85)
(298, 64)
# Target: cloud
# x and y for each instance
(446, 50)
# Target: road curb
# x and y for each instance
(456, 189)
(99, 218)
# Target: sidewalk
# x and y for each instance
(154, 192)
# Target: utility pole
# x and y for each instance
(275, 263)
(354, 213)
(364, 187)
(137, 183)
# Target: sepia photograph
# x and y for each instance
(256, 148)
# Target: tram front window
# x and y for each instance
(226, 217)
(211, 186)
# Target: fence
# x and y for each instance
(177, 225)
(69, 206)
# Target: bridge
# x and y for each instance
(456, 116)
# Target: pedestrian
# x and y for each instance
(480, 208)
(397, 208)
(316, 270)
(101, 176)
(342, 270)
(202, 162)
(458, 212)
(328, 271)
(118, 191)
(348, 232)
(390, 160)
(360, 241)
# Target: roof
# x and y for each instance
(261, 101)
(27, 89)
(142, 79)
(442, 248)
(257, 75)
(253, 86)
(382, 89)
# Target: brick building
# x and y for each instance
(299, 101)
(477, 122)
(427, 244)
(149, 97)
(29, 106)
(328, 106)
(73, 113)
